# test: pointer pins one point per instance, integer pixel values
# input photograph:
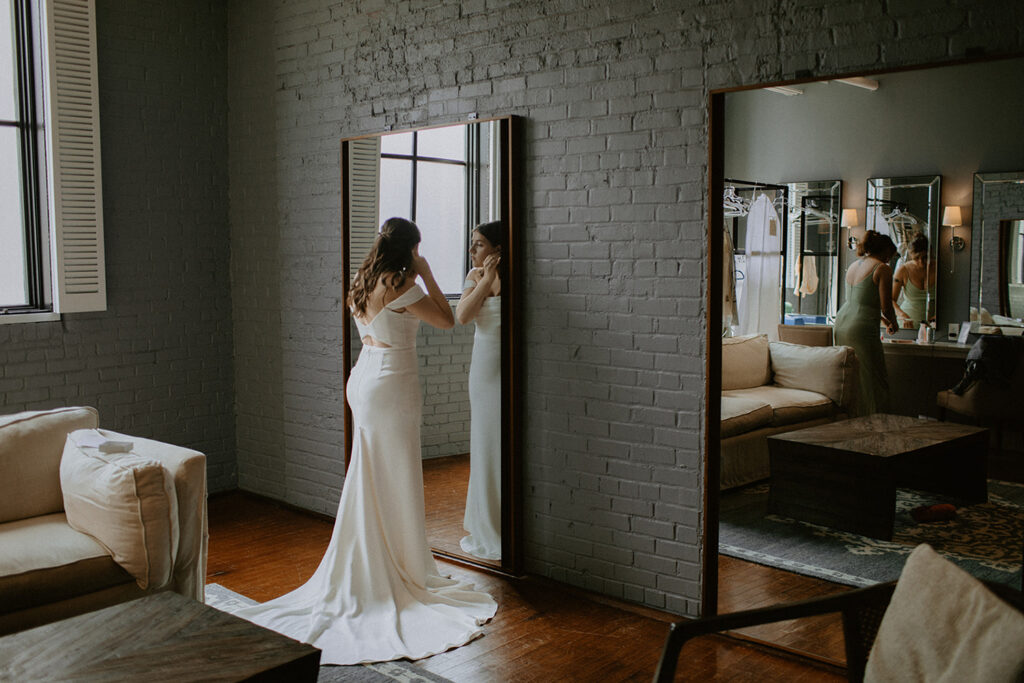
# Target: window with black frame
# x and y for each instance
(435, 177)
(22, 276)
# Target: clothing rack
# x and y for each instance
(736, 200)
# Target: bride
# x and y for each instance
(481, 302)
(377, 594)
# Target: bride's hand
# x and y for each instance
(490, 267)
(419, 264)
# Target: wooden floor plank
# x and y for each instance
(542, 632)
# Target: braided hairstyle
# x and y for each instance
(389, 260)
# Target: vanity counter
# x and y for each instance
(939, 349)
(917, 372)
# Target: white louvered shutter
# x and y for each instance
(364, 199)
(73, 156)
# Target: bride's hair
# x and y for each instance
(389, 260)
(492, 231)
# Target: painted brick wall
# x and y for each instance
(157, 363)
(614, 94)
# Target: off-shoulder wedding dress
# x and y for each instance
(377, 594)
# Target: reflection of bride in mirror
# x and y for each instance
(377, 594)
(913, 285)
(481, 302)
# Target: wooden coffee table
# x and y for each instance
(161, 637)
(845, 474)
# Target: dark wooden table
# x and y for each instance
(845, 474)
(161, 637)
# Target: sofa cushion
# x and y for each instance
(943, 625)
(68, 564)
(31, 444)
(741, 415)
(828, 370)
(745, 362)
(126, 502)
(789, 406)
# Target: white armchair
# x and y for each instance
(52, 567)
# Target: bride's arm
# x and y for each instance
(432, 309)
(473, 298)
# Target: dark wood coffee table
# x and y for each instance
(161, 637)
(845, 474)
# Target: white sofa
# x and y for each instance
(135, 521)
(774, 387)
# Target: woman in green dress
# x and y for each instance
(869, 300)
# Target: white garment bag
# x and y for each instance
(760, 302)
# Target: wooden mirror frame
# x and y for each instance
(510, 131)
(713, 305)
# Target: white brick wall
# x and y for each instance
(614, 95)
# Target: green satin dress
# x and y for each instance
(857, 325)
(918, 304)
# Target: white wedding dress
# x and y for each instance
(377, 594)
(483, 499)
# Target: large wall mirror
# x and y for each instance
(907, 210)
(903, 150)
(997, 292)
(449, 179)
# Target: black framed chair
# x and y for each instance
(862, 610)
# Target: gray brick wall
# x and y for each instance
(614, 94)
(157, 363)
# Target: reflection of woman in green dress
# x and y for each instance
(913, 286)
(868, 300)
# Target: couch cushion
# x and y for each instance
(789, 406)
(31, 444)
(127, 503)
(943, 625)
(745, 362)
(828, 370)
(43, 560)
(742, 415)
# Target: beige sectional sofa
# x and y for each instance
(83, 527)
(774, 387)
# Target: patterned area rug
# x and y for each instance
(382, 672)
(984, 539)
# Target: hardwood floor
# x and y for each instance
(542, 631)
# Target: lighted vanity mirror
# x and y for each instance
(448, 180)
(996, 266)
(907, 209)
(811, 252)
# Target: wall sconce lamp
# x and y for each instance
(951, 217)
(849, 221)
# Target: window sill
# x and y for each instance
(28, 318)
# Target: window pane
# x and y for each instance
(441, 215)
(13, 283)
(395, 189)
(443, 143)
(397, 143)
(7, 64)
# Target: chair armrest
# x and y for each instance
(188, 471)
(847, 603)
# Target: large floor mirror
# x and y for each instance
(892, 152)
(448, 180)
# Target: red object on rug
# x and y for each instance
(933, 513)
